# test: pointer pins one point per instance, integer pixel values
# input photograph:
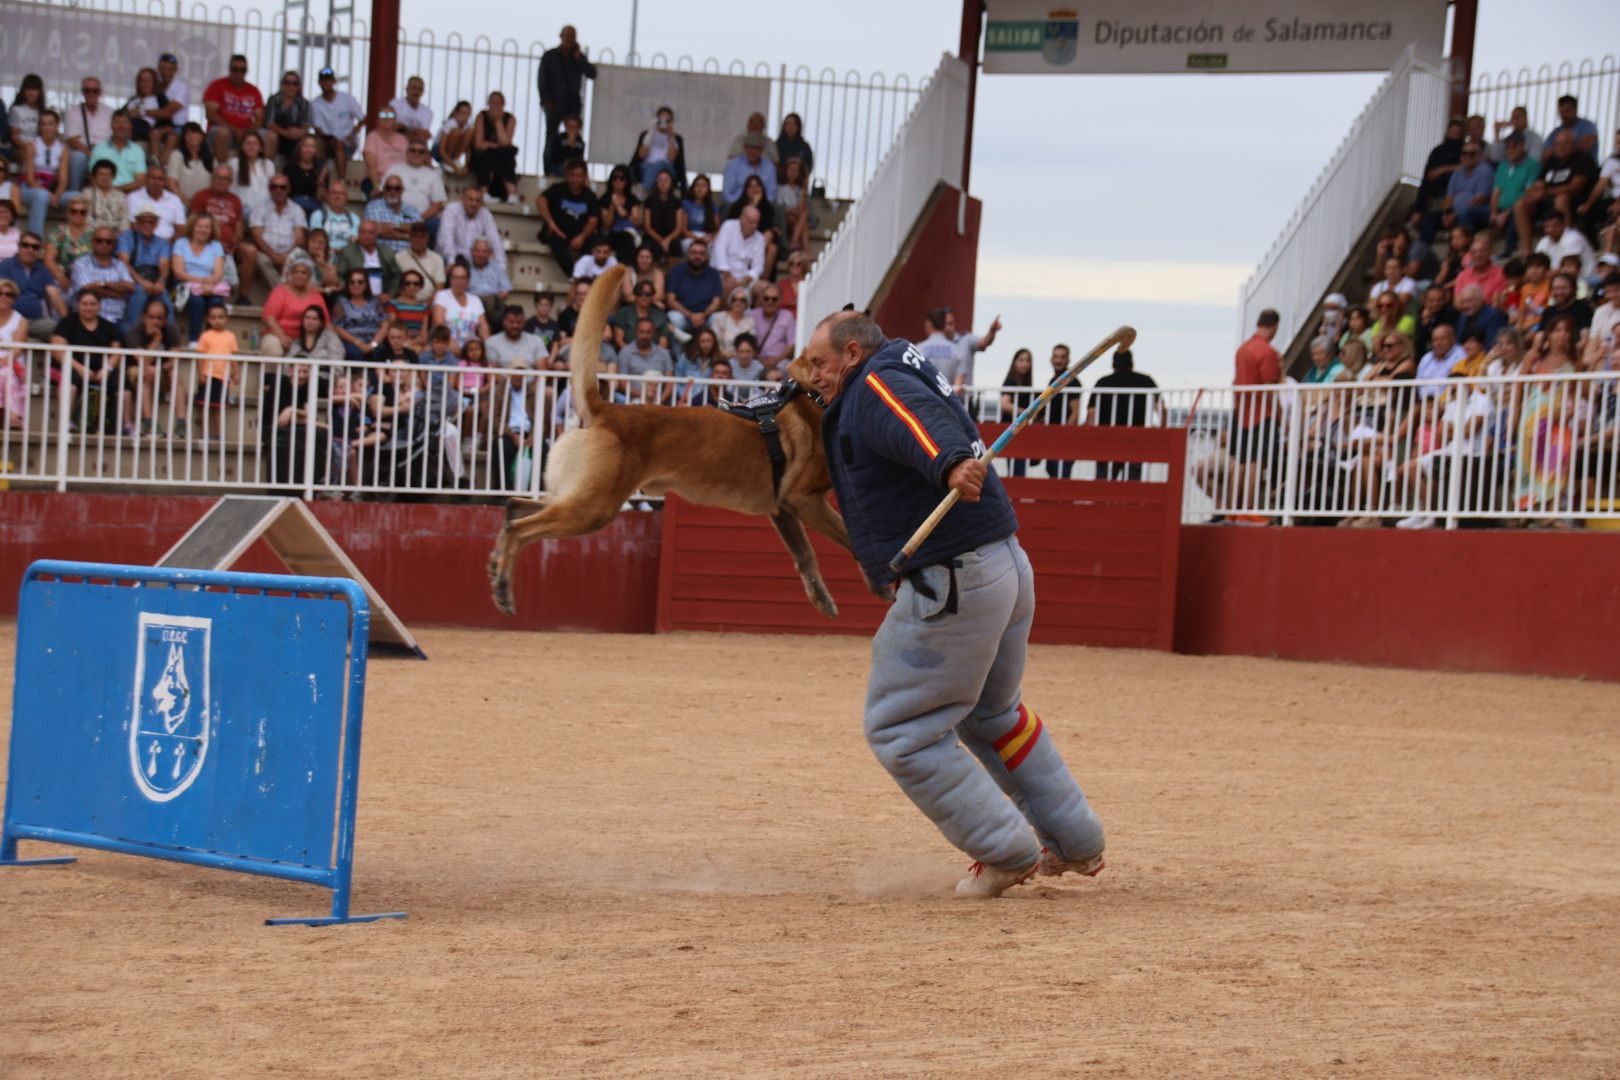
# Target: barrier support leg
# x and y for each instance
(8, 855)
(340, 909)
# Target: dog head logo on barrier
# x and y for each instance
(1060, 39)
(168, 732)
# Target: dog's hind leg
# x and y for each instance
(818, 513)
(793, 535)
(557, 518)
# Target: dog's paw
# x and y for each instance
(501, 592)
(824, 603)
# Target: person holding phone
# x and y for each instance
(660, 149)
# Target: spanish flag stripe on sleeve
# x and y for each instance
(899, 409)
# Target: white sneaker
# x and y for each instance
(986, 882)
(1049, 865)
(1416, 521)
(514, 200)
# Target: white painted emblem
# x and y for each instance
(168, 732)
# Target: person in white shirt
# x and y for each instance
(178, 94)
(1605, 329)
(156, 196)
(467, 220)
(424, 184)
(415, 118)
(1464, 421)
(1394, 280)
(1443, 355)
(338, 116)
(598, 262)
(952, 352)
(739, 250)
(1558, 240)
(334, 217)
(85, 126)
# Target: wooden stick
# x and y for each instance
(1121, 339)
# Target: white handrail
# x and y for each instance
(927, 151)
(1387, 145)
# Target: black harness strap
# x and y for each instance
(762, 411)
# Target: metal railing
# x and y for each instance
(1387, 145)
(850, 118)
(927, 151)
(1595, 84)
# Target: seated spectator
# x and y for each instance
(1443, 160)
(754, 196)
(1462, 431)
(422, 259)
(514, 348)
(494, 156)
(1514, 175)
(414, 115)
(152, 330)
(337, 117)
(1594, 209)
(108, 205)
(102, 274)
(1456, 259)
(1535, 293)
(790, 144)
(278, 227)
(234, 107)
(283, 315)
(1468, 194)
(1476, 362)
(96, 374)
(10, 234)
(465, 222)
(357, 317)
(156, 197)
(663, 219)
(1357, 326)
(776, 328)
(645, 269)
(1436, 309)
(1481, 270)
(569, 213)
(645, 356)
(1325, 366)
(424, 185)
(1518, 123)
(598, 262)
(198, 269)
(317, 252)
(1562, 301)
(147, 255)
(750, 162)
(745, 363)
(489, 281)
(702, 212)
(715, 392)
(756, 126)
(1475, 315)
(1604, 332)
(1567, 175)
(47, 184)
(699, 356)
(1560, 240)
(694, 291)
(287, 118)
(565, 147)
(176, 91)
(1393, 315)
(253, 173)
(641, 309)
(793, 203)
(543, 323)
(621, 215)
(797, 265)
(568, 317)
(228, 224)
(409, 311)
(86, 126)
(385, 147)
(739, 250)
(454, 141)
(393, 216)
(368, 255)
(734, 322)
(457, 309)
(308, 173)
(1443, 355)
(1394, 280)
(316, 339)
(291, 394)
(660, 151)
(342, 225)
(1583, 134)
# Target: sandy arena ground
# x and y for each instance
(674, 856)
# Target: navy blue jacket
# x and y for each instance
(892, 435)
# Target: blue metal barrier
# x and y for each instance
(199, 716)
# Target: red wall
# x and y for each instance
(427, 560)
(1502, 600)
(940, 270)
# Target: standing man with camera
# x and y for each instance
(563, 71)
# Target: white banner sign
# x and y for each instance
(710, 111)
(1141, 36)
(62, 45)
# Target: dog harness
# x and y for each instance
(761, 411)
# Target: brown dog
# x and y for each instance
(704, 455)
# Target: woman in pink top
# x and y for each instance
(284, 310)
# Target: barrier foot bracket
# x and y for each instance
(55, 860)
(334, 920)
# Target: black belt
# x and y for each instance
(926, 591)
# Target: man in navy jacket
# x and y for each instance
(948, 661)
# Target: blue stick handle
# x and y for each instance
(1119, 339)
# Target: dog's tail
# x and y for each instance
(585, 357)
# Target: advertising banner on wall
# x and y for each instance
(710, 111)
(63, 44)
(1032, 37)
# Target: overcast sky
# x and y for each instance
(1108, 199)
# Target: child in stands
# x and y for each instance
(217, 375)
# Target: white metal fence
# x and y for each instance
(1499, 449)
(927, 150)
(850, 117)
(1594, 83)
(1387, 145)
